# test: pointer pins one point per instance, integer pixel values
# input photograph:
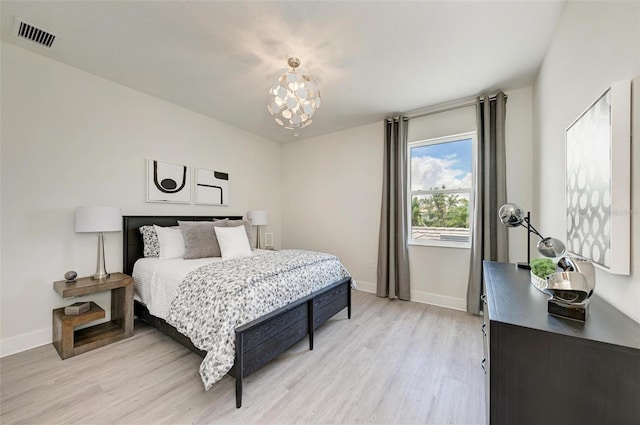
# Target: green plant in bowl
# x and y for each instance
(542, 267)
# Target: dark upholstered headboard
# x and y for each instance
(132, 239)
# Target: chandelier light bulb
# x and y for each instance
(294, 97)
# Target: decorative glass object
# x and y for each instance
(538, 282)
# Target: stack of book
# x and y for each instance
(77, 308)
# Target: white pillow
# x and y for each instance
(171, 242)
(233, 242)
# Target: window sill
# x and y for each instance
(441, 244)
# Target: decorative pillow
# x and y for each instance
(200, 239)
(150, 241)
(233, 242)
(171, 242)
(245, 223)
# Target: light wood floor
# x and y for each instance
(393, 362)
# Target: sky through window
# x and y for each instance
(442, 164)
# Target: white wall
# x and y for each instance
(341, 214)
(519, 152)
(331, 194)
(595, 44)
(70, 138)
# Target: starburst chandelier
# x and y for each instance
(295, 97)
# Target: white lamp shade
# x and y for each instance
(258, 217)
(98, 219)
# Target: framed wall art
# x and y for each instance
(168, 182)
(212, 187)
(598, 181)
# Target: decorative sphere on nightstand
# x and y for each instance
(70, 276)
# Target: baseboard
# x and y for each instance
(23, 342)
(423, 297)
(366, 286)
(439, 300)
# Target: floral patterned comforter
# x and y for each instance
(217, 298)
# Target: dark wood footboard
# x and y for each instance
(260, 341)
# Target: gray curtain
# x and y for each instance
(393, 256)
(489, 238)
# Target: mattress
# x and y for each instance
(156, 281)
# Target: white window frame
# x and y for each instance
(436, 141)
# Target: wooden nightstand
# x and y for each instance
(69, 342)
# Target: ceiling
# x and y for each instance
(370, 59)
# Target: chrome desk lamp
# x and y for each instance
(513, 215)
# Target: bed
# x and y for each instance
(258, 341)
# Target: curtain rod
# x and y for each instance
(444, 107)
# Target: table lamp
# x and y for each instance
(258, 218)
(99, 220)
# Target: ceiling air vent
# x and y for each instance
(29, 32)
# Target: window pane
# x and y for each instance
(441, 217)
(442, 165)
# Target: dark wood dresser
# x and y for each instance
(542, 369)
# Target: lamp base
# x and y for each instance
(524, 266)
(568, 311)
(101, 271)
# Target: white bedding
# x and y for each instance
(156, 281)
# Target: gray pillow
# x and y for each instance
(247, 227)
(200, 239)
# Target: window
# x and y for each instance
(441, 176)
